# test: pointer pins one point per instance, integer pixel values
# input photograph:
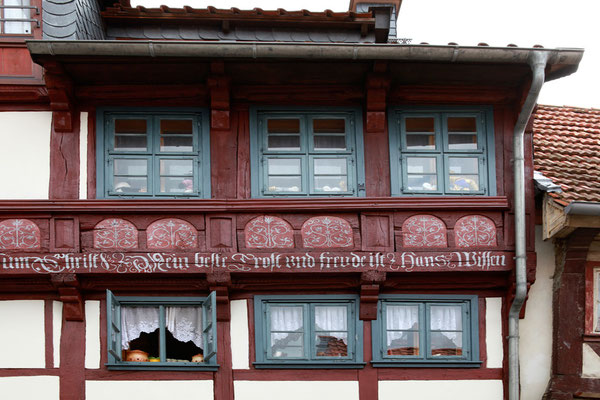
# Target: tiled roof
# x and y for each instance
(567, 150)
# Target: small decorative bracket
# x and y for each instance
(60, 91)
(70, 294)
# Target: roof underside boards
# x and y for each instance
(567, 150)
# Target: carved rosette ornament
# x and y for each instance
(171, 233)
(267, 232)
(326, 232)
(424, 231)
(115, 233)
(475, 231)
(18, 234)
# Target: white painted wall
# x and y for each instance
(92, 334)
(30, 387)
(535, 343)
(57, 307)
(591, 363)
(240, 337)
(441, 390)
(25, 154)
(83, 135)
(148, 390)
(22, 337)
(493, 332)
(295, 390)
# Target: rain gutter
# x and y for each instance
(583, 208)
(537, 63)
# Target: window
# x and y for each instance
(413, 330)
(307, 331)
(448, 152)
(153, 154)
(161, 332)
(15, 17)
(307, 153)
(592, 300)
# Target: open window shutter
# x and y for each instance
(113, 332)
(209, 327)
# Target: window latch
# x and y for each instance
(361, 187)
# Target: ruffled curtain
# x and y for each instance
(285, 319)
(185, 323)
(331, 318)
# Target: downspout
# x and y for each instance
(537, 62)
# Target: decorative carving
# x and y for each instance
(171, 233)
(424, 231)
(19, 234)
(475, 231)
(115, 233)
(325, 232)
(267, 232)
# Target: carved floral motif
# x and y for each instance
(115, 233)
(171, 233)
(19, 234)
(267, 232)
(475, 231)
(325, 232)
(424, 231)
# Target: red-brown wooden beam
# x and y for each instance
(64, 157)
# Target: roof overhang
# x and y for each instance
(561, 62)
(560, 221)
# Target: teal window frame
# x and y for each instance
(485, 152)
(262, 335)
(470, 330)
(307, 153)
(106, 153)
(209, 331)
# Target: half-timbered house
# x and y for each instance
(253, 204)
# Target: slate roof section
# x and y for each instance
(567, 150)
(72, 20)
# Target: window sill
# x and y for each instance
(591, 337)
(309, 365)
(148, 366)
(427, 364)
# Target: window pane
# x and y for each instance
(176, 135)
(446, 317)
(183, 333)
(422, 182)
(140, 333)
(285, 184)
(331, 183)
(284, 166)
(418, 124)
(333, 125)
(330, 166)
(331, 344)
(420, 142)
(597, 300)
(287, 333)
(130, 184)
(176, 127)
(123, 166)
(462, 141)
(16, 13)
(131, 135)
(446, 330)
(402, 324)
(446, 344)
(421, 165)
(176, 185)
(283, 125)
(463, 165)
(462, 124)
(131, 142)
(284, 142)
(177, 143)
(131, 126)
(464, 183)
(176, 167)
(329, 142)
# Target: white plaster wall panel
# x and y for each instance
(22, 338)
(83, 135)
(240, 337)
(438, 390)
(92, 334)
(148, 390)
(57, 307)
(535, 331)
(30, 387)
(591, 363)
(493, 332)
(25, 154)
(295, 390)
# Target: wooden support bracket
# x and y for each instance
(369, 294)
(219, 282)
(60, 92)
(70, 294)
(219, 85)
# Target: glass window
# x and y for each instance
(413, 330)
(16, 17)
(306, 154)
(150, 154)
(441, 153)
(298, 331)
(166, 333)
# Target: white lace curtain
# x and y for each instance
(16, 13)
(327, 318)
(442, 318)
(185, 323)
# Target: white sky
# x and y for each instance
(551, 23)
